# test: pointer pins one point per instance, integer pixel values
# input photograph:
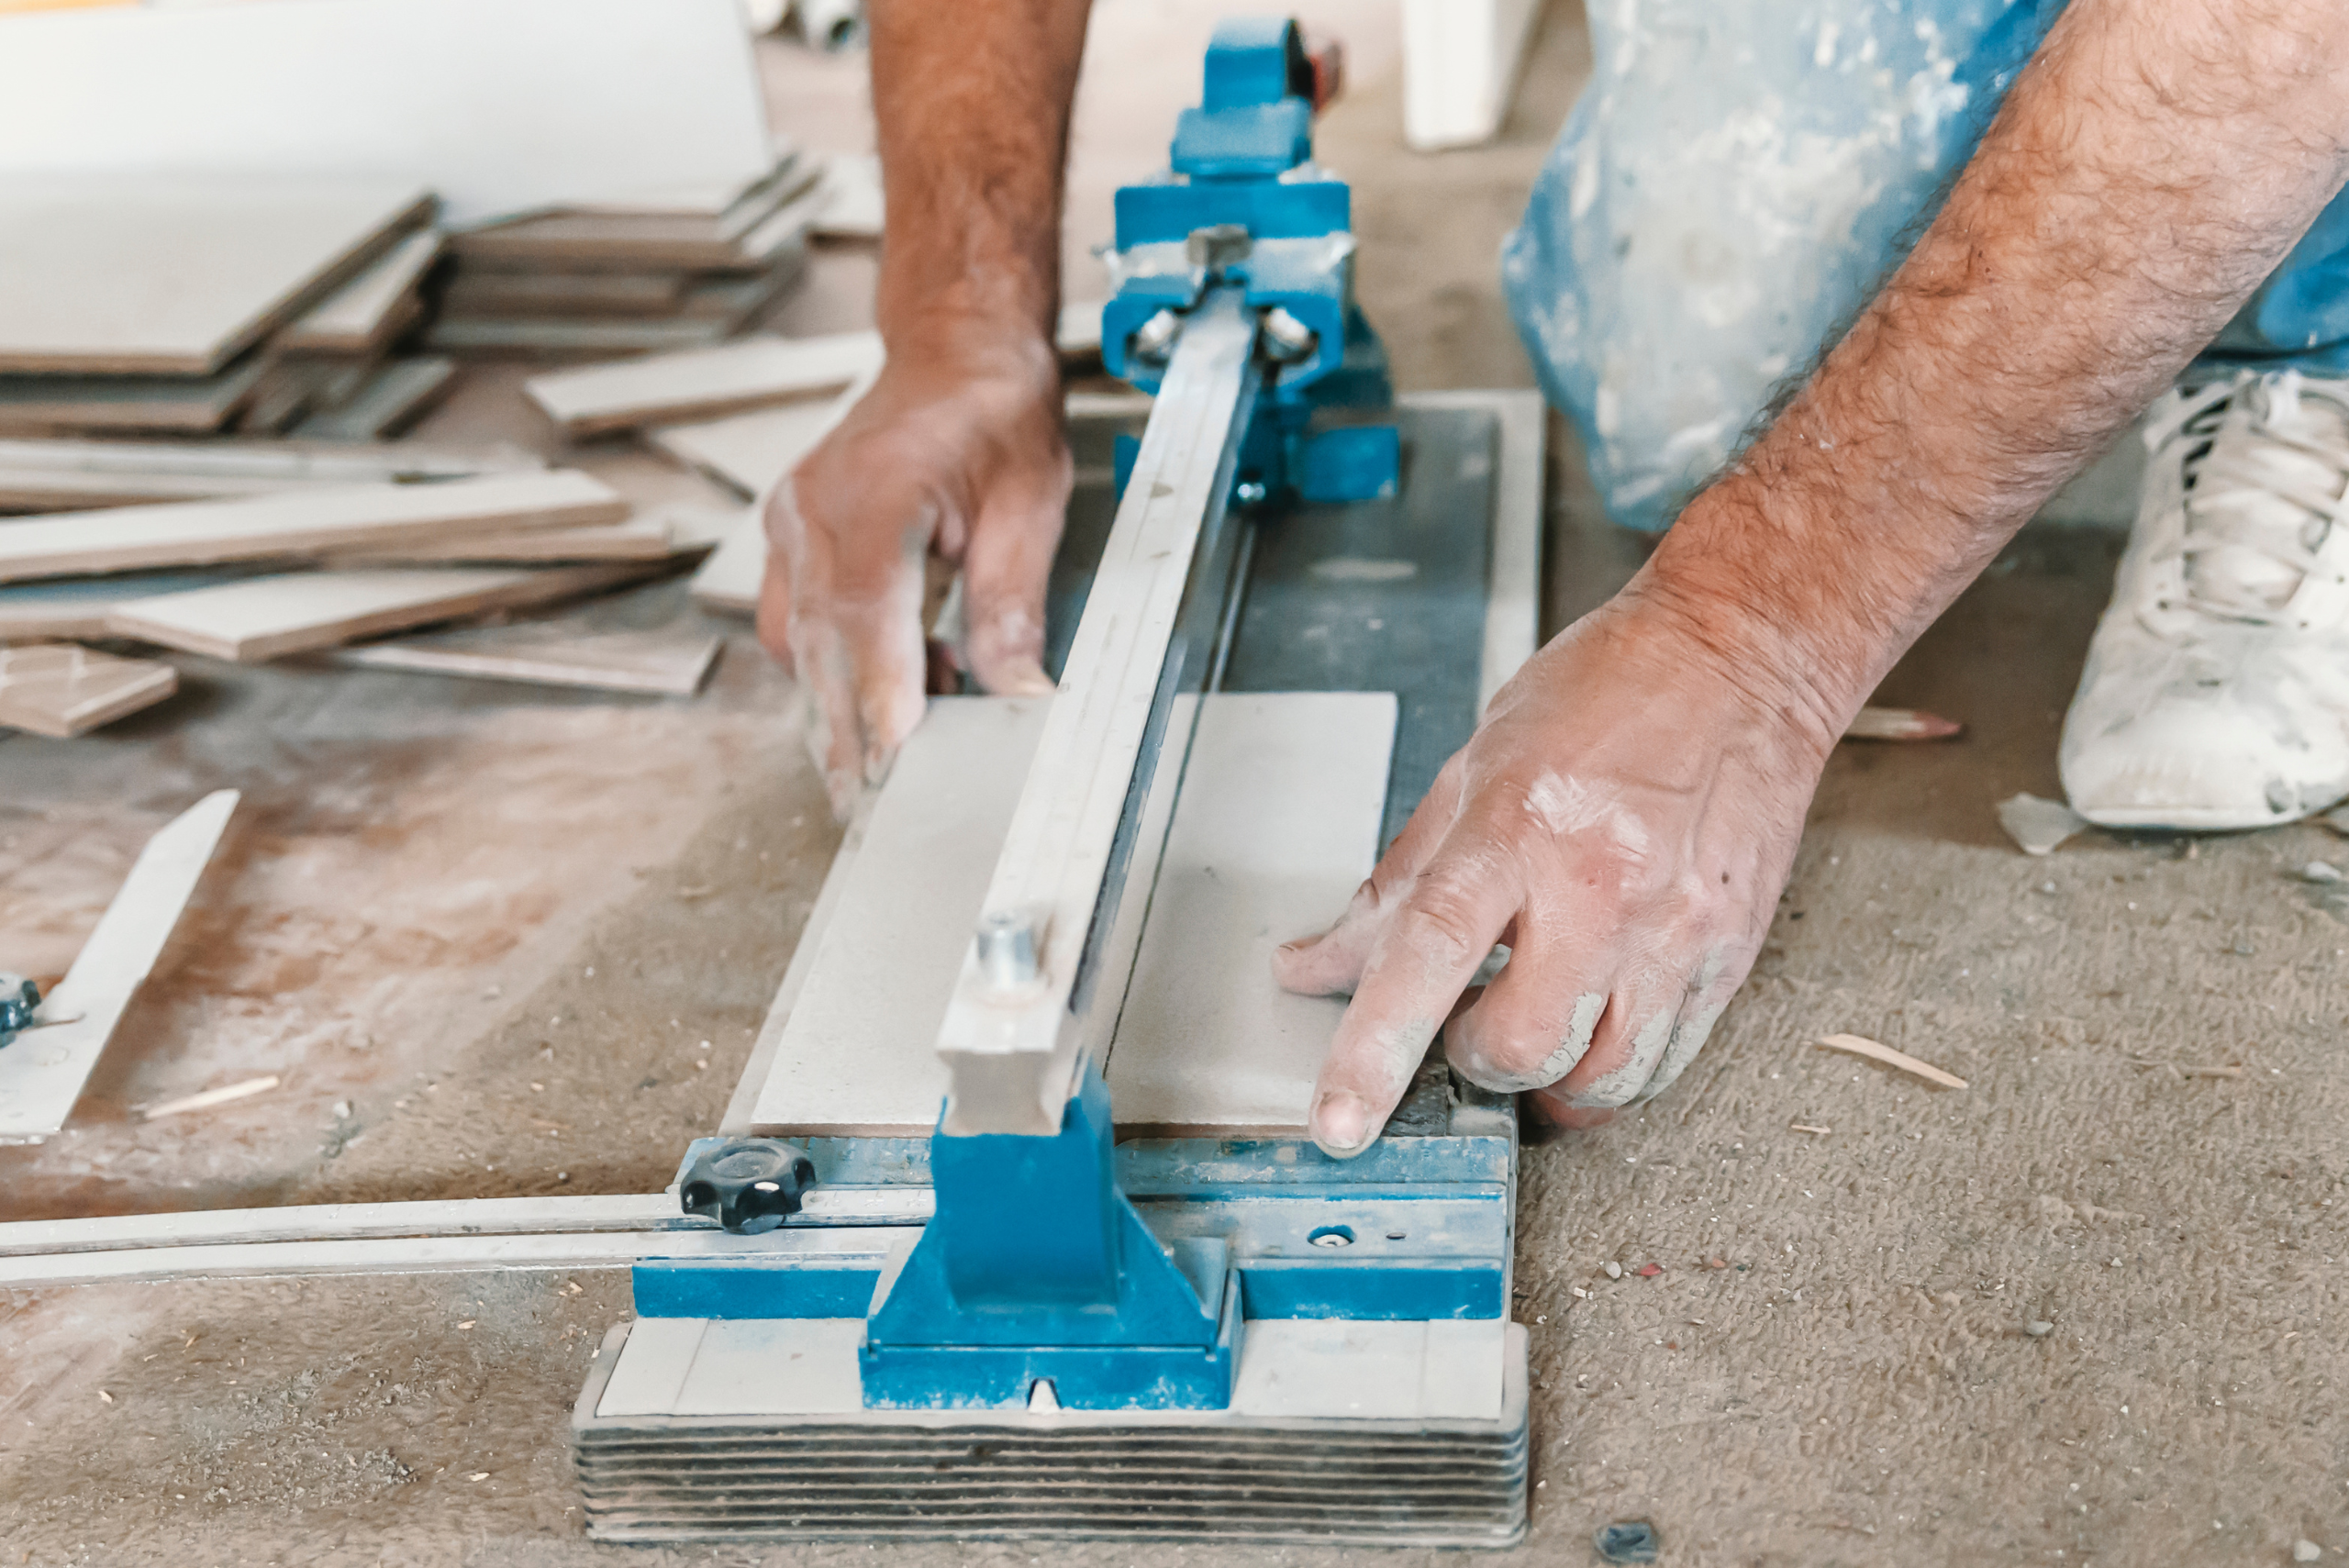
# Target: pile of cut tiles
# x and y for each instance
(198, 304)
(306, 548)
(607, 279)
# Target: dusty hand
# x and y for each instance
(1623, 819)
(964, 458)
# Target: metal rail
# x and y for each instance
(1018, 1022)
(557, 1252)
(649, 1212)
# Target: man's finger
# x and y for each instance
(1536, 1020)
(1007, 567)
(1330, 964)
(1634, 1035)
(1426, 955)
(889, 661)
(835, 729)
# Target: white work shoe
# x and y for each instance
(2216, 694)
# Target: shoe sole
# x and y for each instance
(2192, 821)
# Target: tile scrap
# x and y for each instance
(64, 474)
(614, 278)
(62, 690)
(852, 207)
(702, 383)
(267, 617)
(250, 253)
(344, 518)
(1860, 1045)
(2038, 826)
(660, 663)
(42, 1076)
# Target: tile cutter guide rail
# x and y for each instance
(1165, 1338)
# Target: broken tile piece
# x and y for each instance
(62, 689)
(2038, 826)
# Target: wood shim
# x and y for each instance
(178, 275)
(59, 690)
(701, 385)
(41, 1076)
(125, 539)
(268, 617)
(363, 315)
(1860, 1045)
(206, 1099)
(657, 663)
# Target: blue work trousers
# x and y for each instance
(1736, 181)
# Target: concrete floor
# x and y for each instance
(489, 936)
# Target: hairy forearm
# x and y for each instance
(2150, 167)
(972, 104)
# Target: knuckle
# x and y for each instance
(1512, 1062)
(1440, 921)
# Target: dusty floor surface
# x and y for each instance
(485, 932)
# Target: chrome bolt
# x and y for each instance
(1007, 945)
(1247, 492)
(1154, 338)
(1287, 339)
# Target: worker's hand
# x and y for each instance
(962, 454)
(1623, 819)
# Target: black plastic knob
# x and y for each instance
(747, 1185)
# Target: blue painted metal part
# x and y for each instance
(1241, 163)
(752, 1288)
(1303, 1287)
(1426, 1223)
(1254, 60)
(1035, 1265)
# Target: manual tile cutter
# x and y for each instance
(1235, 1339)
